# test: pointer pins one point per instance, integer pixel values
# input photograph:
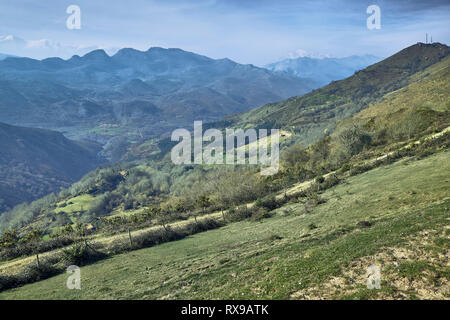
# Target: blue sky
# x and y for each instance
(257, 32)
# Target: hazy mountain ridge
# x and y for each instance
(4, 56)
(323, 70)
(81, 93)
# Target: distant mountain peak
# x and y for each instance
(300, 53)
(98, 53)
(127, 50)
(325, 69)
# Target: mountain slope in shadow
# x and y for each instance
(35, 162)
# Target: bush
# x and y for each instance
(81, 253)
(329, 182)
(319, 179)
(361, 169)
(104, 204)
(352, 139)
(26, 249)
(204, 225)
(239, 214)
(259, 214)
(270, 203)
(346, 167)
(312, 226)
(31, 273)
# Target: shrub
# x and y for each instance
(270, 203)
(329, 182)
(259, 214)
(26, 249)
(240, 213)
(81, 253)
(312, 226)
(346, 167)
(352, 139)
(319, 179)
(361, 169)
(30, 273)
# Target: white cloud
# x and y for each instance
(300, 53)
(44, 48)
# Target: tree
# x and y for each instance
(10, 238)
(34, 237)
(203, 201)
(184, 205)
(319, 154)
(162, 214)
(294, 155)
(352, 139)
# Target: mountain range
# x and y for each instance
(4, 56)
(110, 101)
(42, 48)
(134, 93)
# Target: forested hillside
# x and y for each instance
(36, 162)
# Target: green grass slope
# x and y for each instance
(298, 253)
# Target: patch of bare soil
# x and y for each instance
(399, 278)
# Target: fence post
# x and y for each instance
(131, 240)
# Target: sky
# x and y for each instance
(246, 31)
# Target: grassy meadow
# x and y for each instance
(395, 216)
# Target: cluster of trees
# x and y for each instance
(11, 239)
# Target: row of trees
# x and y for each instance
(11, 239)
